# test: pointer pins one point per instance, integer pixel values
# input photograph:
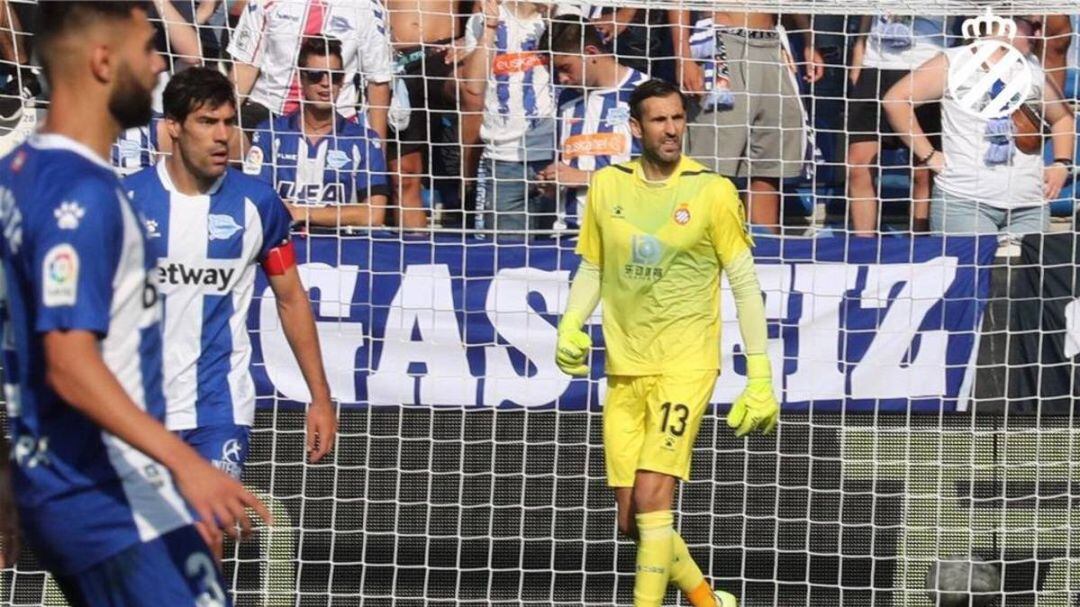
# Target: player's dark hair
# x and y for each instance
(193, 88)
(571, 38)
(320, 46)
(648, 90)
(56, 18)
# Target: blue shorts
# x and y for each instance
(225, 446)
(175, 569)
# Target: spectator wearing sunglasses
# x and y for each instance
(328, 168)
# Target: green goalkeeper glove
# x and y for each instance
(756, 408)
(572, 349)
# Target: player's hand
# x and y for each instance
(321, 429)
(572, 351)
(756, 408)
(218, 498)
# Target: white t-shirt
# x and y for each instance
(1015, 184)
(904, 42)
(519, 104)
(269, 33)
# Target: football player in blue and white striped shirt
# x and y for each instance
(99, 483)
(331, 170)
(210, 226)
(594, 127)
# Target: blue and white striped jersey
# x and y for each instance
(348, 166)
(519, 104)
(207, 248)
(136, 148)
(594, 129)
(74, 258)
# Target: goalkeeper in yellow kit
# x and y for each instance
(657, 232)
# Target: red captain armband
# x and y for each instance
(279, 259)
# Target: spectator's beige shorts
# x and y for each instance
(764, 134)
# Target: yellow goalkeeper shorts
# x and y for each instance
(651, 421)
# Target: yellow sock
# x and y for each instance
(686, 574)
(655, 547)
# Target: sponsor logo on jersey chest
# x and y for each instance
(595, 144)
(221, 227)
(515, 63)
(178, 274)
(336, 159)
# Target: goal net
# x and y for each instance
(925, 362)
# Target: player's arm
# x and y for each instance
(75, 370)
(756, 408)
(574, 344)
(298, 324)
(572, 348)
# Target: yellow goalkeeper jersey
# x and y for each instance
(660, 247)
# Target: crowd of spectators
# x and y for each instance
(491, 115)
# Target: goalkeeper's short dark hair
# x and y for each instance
(319, 45)
(193, 88)
(57, 18)
(571, 38)
(648, 90)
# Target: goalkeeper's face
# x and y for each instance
(661, 128)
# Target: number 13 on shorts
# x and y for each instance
(651, 422)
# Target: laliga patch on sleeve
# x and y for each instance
(60, 276)
(254, 161)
